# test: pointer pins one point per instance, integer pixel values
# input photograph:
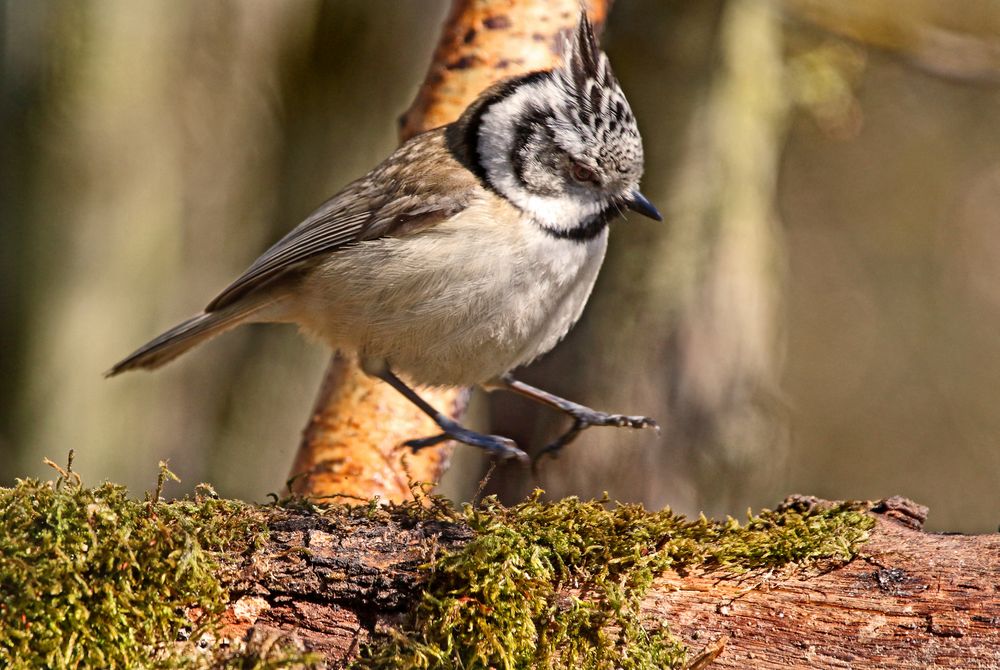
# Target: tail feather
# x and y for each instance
(182, 337)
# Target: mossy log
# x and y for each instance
(908, 599)
(90, 577)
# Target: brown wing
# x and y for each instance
(403, 195)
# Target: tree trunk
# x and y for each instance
(909, 599)
(351, 446)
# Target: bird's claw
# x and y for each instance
(589, 417)
(584, 418)
(502, 447)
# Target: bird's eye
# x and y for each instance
(583, 174)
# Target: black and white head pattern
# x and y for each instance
(563, 145)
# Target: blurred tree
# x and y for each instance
(704, 351)
(149, 149)
(162, 142)
(961, 41)
(152, 181)
(708, 358)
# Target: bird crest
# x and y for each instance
(595, 108)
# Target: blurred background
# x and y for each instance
(820, 313)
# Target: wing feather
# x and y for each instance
(331, 227)
(399, 197)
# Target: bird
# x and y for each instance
(470, 251)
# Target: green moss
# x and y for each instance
(495, 602)
(260, 652)
(91, 578)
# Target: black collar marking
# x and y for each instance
(469, 156)
(588, 231)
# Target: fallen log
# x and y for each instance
(907, 599)
(90, 577)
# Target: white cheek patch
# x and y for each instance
(558, 213)
(496, 135)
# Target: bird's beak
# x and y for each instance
(637, 202)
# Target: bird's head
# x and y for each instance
(562, 145)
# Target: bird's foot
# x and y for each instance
(584, 418)
(503, 448)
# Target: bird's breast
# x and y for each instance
(460, 302)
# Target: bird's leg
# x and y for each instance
(503, 447)
(583, 417)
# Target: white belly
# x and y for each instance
(459, 303)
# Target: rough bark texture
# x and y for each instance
(909, 600)
(331, 581)
(352, 443)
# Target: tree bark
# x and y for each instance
(352, 444)
(909, 600)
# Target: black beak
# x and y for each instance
(637, 203)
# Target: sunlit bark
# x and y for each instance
(352, 445)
